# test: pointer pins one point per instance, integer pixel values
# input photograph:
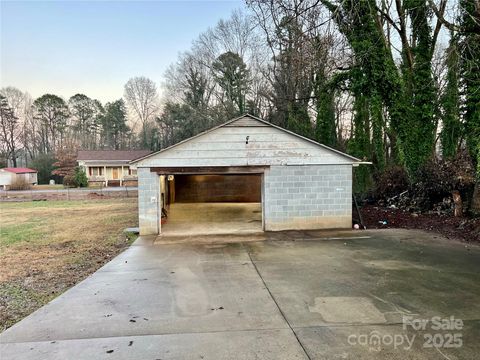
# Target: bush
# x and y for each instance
(80, 177)
(393, 181)
(19, 184)
(437, 180)
(433, 187)
(69, 181)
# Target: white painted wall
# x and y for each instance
(7, 177)
(227, 146)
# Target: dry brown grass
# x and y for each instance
(48, 187)
(19, 184)
(47, 247)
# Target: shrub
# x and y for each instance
(80, 177)
(66, 162)
(438, 178)
(69, 181)
(393, 181)
(433, 186)
(19, 184)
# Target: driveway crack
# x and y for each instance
(278, 306)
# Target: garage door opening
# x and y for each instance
(201, 204)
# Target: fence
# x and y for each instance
(68, 194)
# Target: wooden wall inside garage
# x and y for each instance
(218, 188)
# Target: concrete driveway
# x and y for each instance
(306, 295)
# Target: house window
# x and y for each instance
(132, 171)
(96, 171)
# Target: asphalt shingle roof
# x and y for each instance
(106, 155)
(20, 170)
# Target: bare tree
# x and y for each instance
(142, 98)
(9, 130)
(193, 72)
(189, 81)
(28, 137)
(15, 99)
(302, 58)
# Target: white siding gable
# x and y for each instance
(227, 145)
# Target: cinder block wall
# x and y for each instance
(308, 197)
(217, 188)
(148, 190)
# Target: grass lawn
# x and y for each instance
(46, 247)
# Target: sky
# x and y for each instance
(94, 47)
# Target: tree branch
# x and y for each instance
(388, 18)
(439, 14)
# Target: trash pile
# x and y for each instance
(437, 200)
(439, 187)
(416, 205)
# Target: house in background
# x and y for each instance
(110, 167)
(9, 176)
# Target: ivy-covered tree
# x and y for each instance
(374, 81)
(470, 73)
(417, 131)
(326, 121)
(360, 144)
(450, 101)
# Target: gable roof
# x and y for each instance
(111, 155)
(20, 170)
(252, 121)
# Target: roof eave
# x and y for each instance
(127, 161)
(356, 160)
(186, 140)
(352, 158)
(362, 163)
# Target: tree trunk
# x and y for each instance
(475, 206)
(457, 201)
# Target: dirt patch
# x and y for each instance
(66, 194)
(48, 247)
(95, 196)
(459, 228)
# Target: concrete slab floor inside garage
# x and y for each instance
(188, 219)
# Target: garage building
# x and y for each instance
(17, 176)
(246, 175)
